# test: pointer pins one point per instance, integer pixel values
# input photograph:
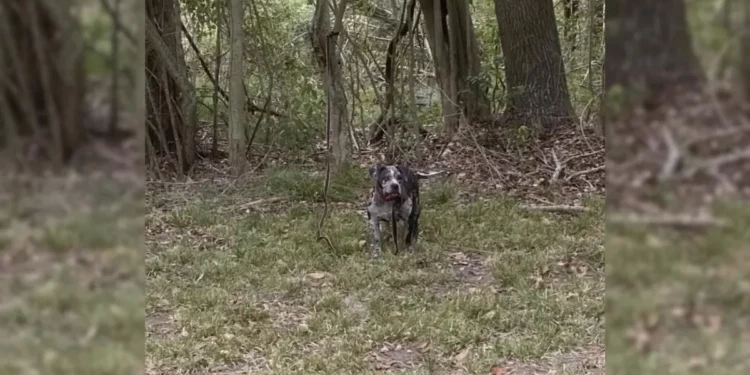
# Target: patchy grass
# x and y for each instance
(234, 290)
(678, 303)
(71, 278)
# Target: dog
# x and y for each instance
(394, 197)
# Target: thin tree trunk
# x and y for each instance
(237, 138)
(455, 53)
(326, 49)
(745, 49)
(166, 55)
(534, 68)
(217, 70)
(42, 83)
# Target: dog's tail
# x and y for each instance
(424, 176)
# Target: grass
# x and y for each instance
(677, 303)
(251, 290)
(72, 289)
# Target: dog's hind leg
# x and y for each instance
(412, 232)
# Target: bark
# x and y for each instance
(237, 137)
(648, 46)
(42, 83)
(325, 46)
(745, 50)
(172, 106)
(452, 40)
(534, 68)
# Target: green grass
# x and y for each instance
(255, 290)
(72, 285)
(678, 303)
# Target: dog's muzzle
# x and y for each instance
(391, 192)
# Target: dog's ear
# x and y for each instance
(374, 172)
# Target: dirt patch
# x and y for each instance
(395, 358)
(469, 269)
(159, 325)
(588, 361)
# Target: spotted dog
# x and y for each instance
(394, 197)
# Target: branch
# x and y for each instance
(250, 105)
(585, 172)
(556, 208)
(681, 221)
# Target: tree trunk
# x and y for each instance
(534, 68)
(172, 103)
(325, 46)
(745, 50)
(648, 46)
(451, 36)
(237, 116)
(42, 83)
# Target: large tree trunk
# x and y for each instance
(745, 49)
(42, 84)
(171, 99)
(648, 46)
(237, 138)
(451, 36)
(534, 69)
(325, 46)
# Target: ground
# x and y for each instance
(71, 268)
(237, 282)
(677, 235)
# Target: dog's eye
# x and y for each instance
(399, 177)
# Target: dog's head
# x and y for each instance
(389, 181)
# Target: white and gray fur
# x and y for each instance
(395, 193)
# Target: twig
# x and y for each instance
(258, 202)
(684, 221)
(556, 208)
(673, 155)
(574, 157)
(584, 172)
(715, 163)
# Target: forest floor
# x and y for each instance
(678, 253)
(71, 266)
(237, 282)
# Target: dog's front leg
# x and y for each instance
(375, 229)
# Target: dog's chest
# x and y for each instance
(382, 210)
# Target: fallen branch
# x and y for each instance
(556, 208)
(584, 172)
(259, 202)
(717, 162)
(682, 221)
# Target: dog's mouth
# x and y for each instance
(390, 196)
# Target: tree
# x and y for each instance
(42, 83)
(237, 138)
(325, 46)
(534, 68)
(648, 47)
(455, 51)
(171, 99)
